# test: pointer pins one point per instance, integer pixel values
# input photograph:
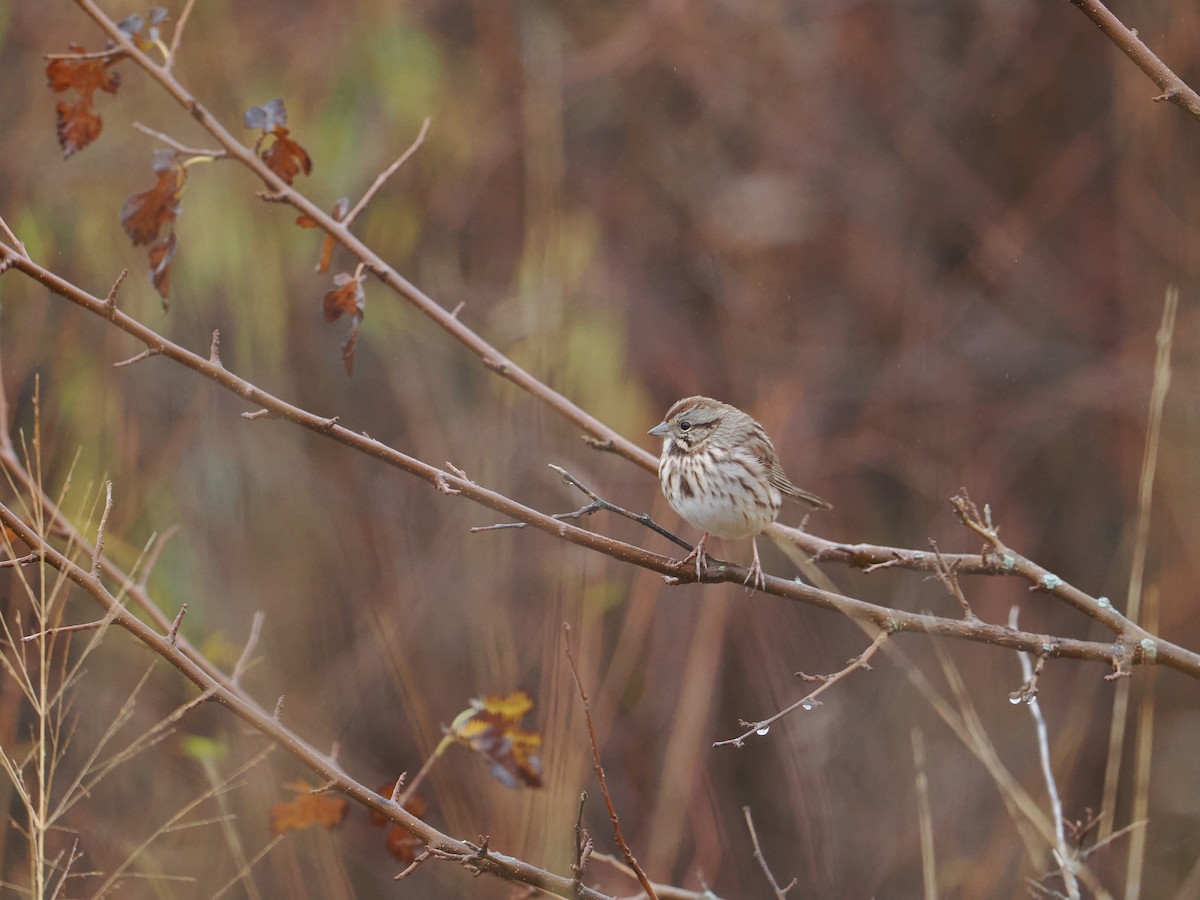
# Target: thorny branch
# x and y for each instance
(809, 701)
(1133, 646)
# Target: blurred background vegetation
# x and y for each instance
(926, 244)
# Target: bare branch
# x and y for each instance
(1063, 853)
(598, 768)
(780, 892)
(243, 662)
(386, 174)
(175, 145)
(809, 701)
(177, 36)
(99, 548)
(1172, 86)
(145, 354)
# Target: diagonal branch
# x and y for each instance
(1134, 645)
(1173, 87)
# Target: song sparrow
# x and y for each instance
(720, 472)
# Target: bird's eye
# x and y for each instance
(685, 425)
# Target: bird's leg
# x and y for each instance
(698, 553)
(755, 579)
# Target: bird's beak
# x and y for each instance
(659, 430)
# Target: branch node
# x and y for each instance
(263, 413)
(457, 472)
(443, 485)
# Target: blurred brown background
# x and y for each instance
(926, 244)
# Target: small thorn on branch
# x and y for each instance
(173, 634)
(110, 302)
(454, 312)
(258, 414)
(214, 350)
(278, 713)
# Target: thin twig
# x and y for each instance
(583, 844)
(810, 700)
(949, 578)
(417, 779)
(598, 504)
(243, 662)
(780, 892)
(1063, 853)
(1172, 86)
(177, 36)
(156, 549)
(111, 300)
(25, 560)
(12, 237)
(198, 152)
(387, 173)
(99, 547)
(412, 866)
(145, 354)
(67, 629)
(598, 768)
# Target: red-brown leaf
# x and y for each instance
(161, 254)
(77, 123)
(144, 214)
(285, 157)
(346, 299)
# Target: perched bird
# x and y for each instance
(720, 472)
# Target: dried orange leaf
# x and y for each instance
(327, 246)
(492, 728)
(346, 299)
(161, 254)
(144, 214)
(77, 123)
(307, 809)
(285, 157)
